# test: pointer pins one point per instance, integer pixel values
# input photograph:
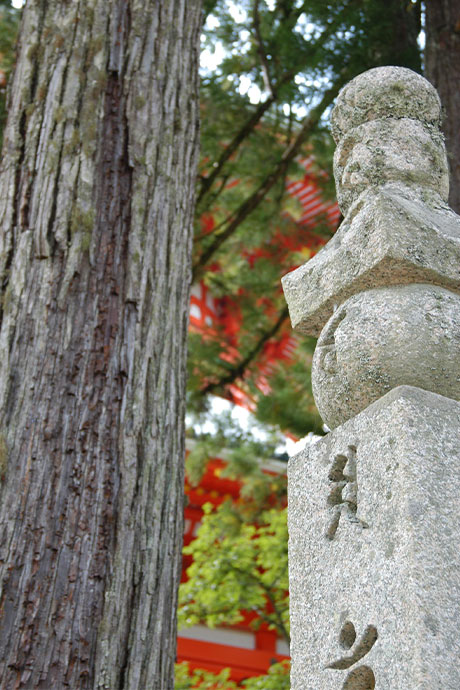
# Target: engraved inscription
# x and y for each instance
(361, 677)
(343, 495)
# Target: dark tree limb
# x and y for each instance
(249, 126)
(239, 369)
(442, 68)
(229, 226)
(245, 131)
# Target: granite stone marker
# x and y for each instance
(374, 506)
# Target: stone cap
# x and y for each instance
(385, 92)
(392, 180)
(393, 239)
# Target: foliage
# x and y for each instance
(288, 406)
(244, 456)
(293, 56)
(277, 678)
(237, 567)
(239, 555)
(185, 679)
(265, 107)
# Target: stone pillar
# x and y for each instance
(374, 506)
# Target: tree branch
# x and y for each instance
(280, 625)
(253, 201)
(244, 132)
(248, 127)
(239, 369)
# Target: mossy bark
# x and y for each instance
(96, 201)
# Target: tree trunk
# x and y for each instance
(97, 186)
(442, 67)
(391, 29)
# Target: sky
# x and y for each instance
(246, 420)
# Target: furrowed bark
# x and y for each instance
(442, 68)
(97, 185)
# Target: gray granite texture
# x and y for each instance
(383, 338)
(399, 151)
(391, 237)
(374, 519)
(385, 92)
(391, 175)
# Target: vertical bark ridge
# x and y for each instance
(442, 68)
(95, 264)
(160, 289)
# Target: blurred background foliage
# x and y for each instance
(270, 72)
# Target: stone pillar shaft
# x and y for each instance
(374, 506)
(386, 563)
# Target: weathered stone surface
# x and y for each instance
(391, 176)
(385, 92)
(374, 521)
(398, 151)
(391, 237)
(374, 506)
(383, 338)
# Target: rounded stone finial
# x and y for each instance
(385, 92)
(391, 169)
(386, 124)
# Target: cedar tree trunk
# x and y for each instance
(443, 70)
(394, 34)
(96, 201)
